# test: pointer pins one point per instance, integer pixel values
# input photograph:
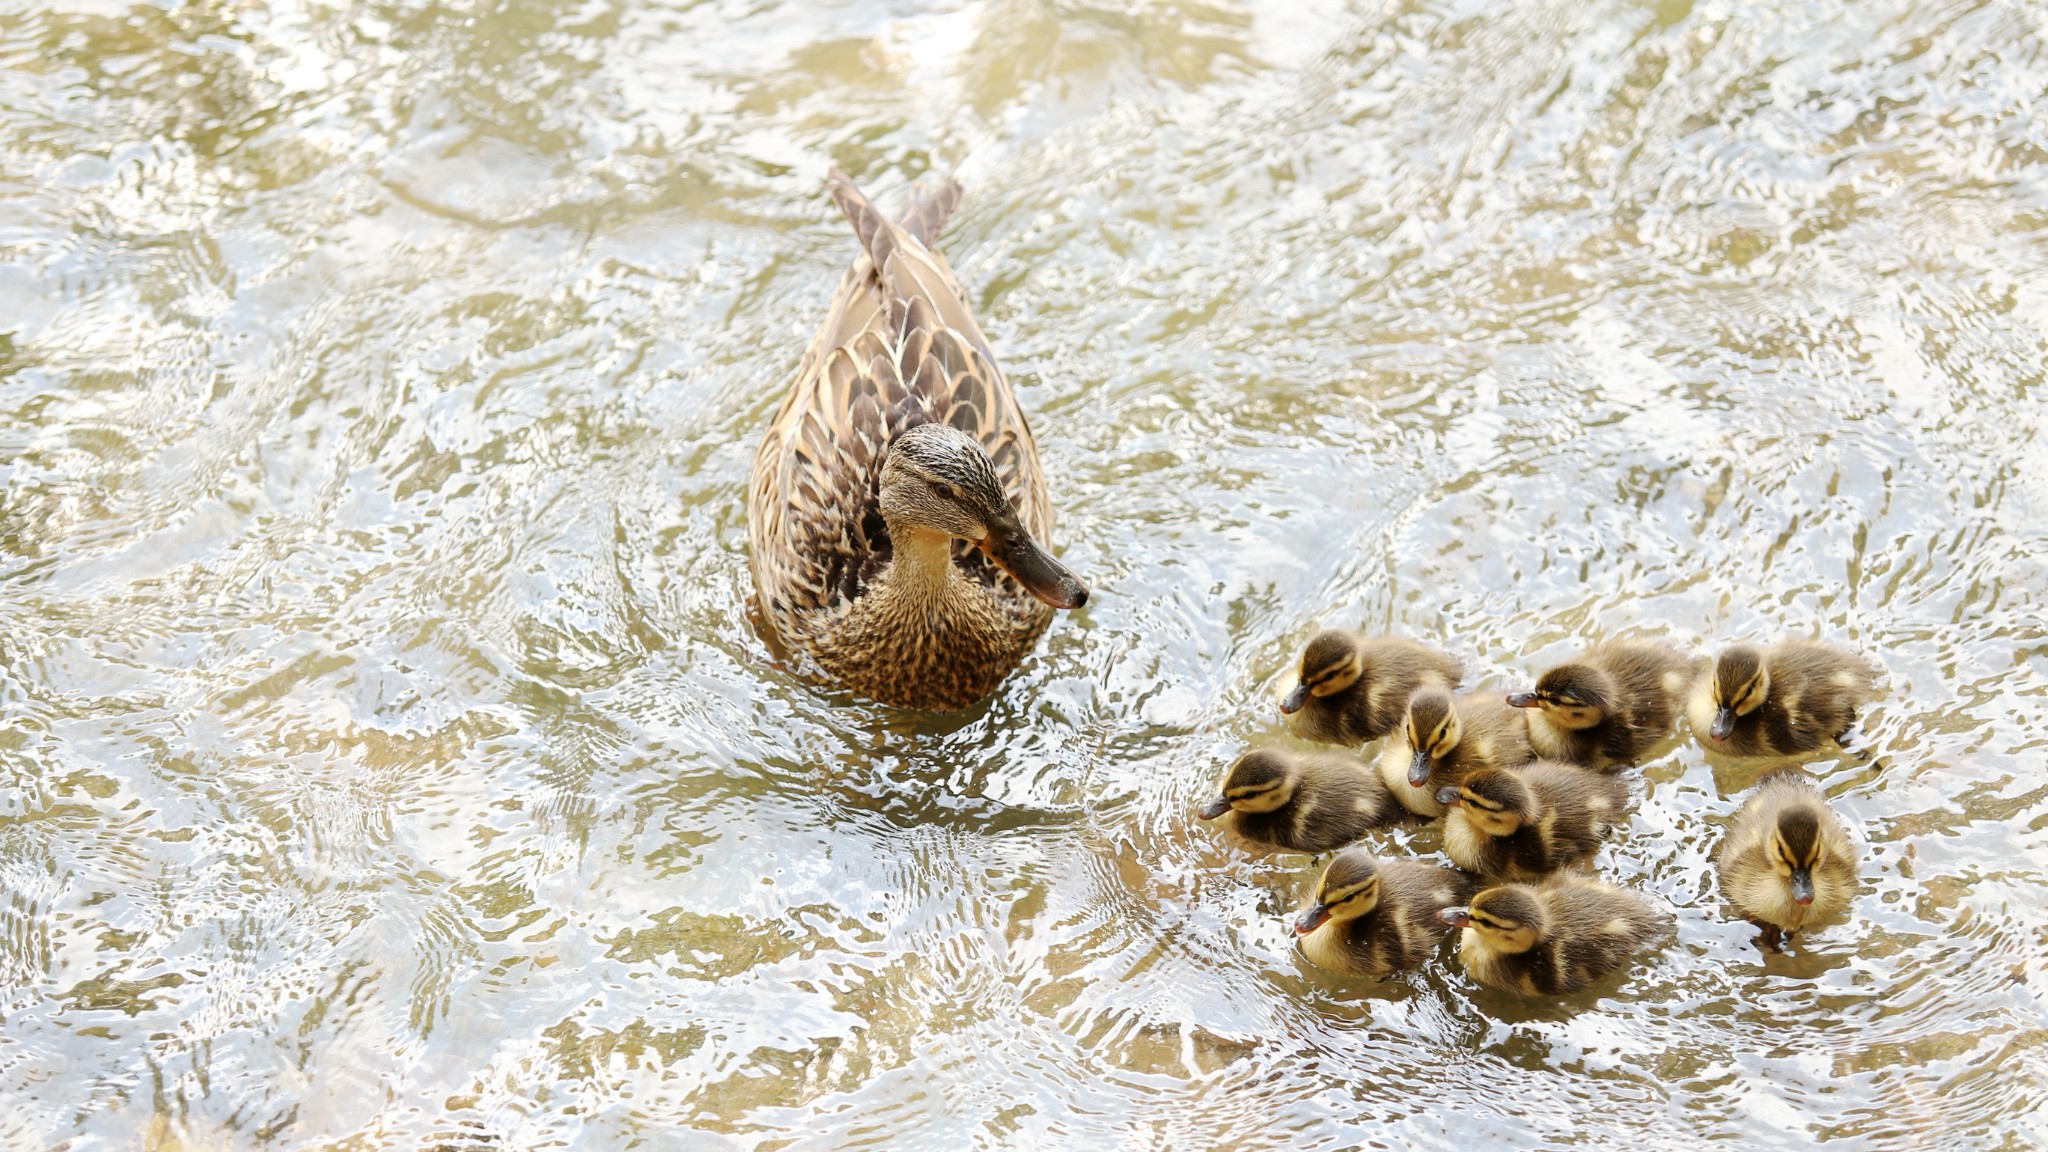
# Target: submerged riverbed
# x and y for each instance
(386, 760)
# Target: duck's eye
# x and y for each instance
(944, 489)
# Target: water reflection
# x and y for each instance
(389, 760)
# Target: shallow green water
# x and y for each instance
(387, 761)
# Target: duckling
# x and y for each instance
(1371, 916)
(1355, 688)
(1554, 938)
(1785, 700)
(1525, 823)
(1302, 802)
(1445, 738)
(1788, 860)
(1609, 706)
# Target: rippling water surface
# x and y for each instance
(387, 762)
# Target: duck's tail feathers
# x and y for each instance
(930, 208)
(873, 229)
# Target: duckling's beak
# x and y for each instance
(1449, 794)
(1311, 920)
(1523, 700)
(1724, 723)
(1214, 808)
(1418, 769)
(1455, 917)
(1802, 886)
(1014, 551)
(1292, 702)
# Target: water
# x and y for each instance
(388, 762)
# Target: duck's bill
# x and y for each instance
(1311, 920)
(1455, 917)
(1033, 567)
(1802, 886)
(1450, 796)
(1292, 702)
(1523, 700)
(1724, 723)
(1214, 808)
(1418, 770)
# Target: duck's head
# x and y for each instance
(1571, 695)
(1740, 685)
(1260, 781)
(1330, 663)
(1509, 918)
(1350, 888)
(939, 479)
(1497, 802)
(1433, 731)
(1794, 850)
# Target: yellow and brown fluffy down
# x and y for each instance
(1444, 738)
(1301, 801)
(1608, 707)
(1553, 938)
(1370, 917)
(1524, 823)
(1351, 689)
(1785, 700)
(1788, 861)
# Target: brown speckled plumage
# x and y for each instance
(899, 349)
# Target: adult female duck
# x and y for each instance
(896, 510)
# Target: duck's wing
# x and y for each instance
(899, 348)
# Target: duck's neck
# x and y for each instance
(921, 569)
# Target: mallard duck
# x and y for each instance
(897, 515)
(1788, 860)
(1785, 700)
(1609, 706)
(1553, 938)
(1301, 801)
(1443, 738)
(1355, 688)
(1524, 823)
(1371, 917)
